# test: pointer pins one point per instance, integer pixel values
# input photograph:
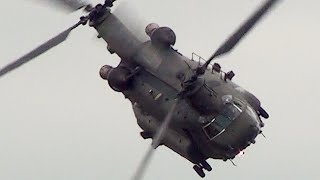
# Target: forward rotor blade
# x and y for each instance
(155, 143)
(38, 51)
(242, 31)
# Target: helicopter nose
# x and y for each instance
(253, 126)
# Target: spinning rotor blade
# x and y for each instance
(128, 13)
(242, 31)
(70, 5)
(39, 50)
(155, 143)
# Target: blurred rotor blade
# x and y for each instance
(155, 143)
(69, 5)
(39, 50)
(242, 31)
(132, 17)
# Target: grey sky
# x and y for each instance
(60, 121)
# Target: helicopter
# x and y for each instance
(187, 104)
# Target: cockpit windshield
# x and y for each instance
(231, 110)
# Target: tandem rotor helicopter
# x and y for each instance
(190, 106)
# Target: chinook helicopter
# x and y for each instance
(188, 105)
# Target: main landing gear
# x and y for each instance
(200, 167)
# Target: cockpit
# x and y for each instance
(231, 110)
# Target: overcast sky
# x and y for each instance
(60, 121)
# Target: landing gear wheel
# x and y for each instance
(199, 170)
(206, 166)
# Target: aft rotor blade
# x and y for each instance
(39, 50)
(243, 30)
(155, 143)
(70, 5)
(127, 12)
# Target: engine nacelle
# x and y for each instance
(164, 35)
(161, 35)
(118, 78)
